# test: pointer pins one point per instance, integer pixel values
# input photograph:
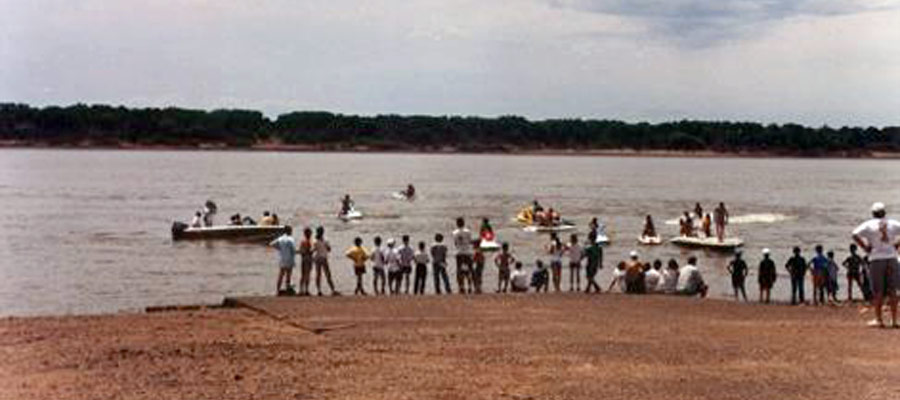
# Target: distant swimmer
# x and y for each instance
(649, 227)
(720, 218)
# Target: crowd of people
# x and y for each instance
(691, 227)
(393, 265)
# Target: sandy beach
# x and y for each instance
(556, 346)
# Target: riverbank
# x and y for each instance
(455, 347)
(504, 150)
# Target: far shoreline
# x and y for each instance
(449, 150)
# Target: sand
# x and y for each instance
(556, 346)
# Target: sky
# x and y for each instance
(814, 62)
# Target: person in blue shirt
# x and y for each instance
(819, 268)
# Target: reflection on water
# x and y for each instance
(88, 231)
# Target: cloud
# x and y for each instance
(702, 23)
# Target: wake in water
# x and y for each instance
(762, 218)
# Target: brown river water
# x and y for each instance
(87, 231)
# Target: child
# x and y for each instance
(618, 279)
(439, 264)
(321, 248)
(575, 253)
(503, 261)
(478, 265)
(306, 260)
(819, 267)
(378, 275)
(853, 264)
(832, 277)
(539, 278)
(407, 257)
(358, 255)
(285, 245)
(738, 270)
(421, 259)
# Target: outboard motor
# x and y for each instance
(178, 229)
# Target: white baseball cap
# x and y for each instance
(765, 250)
(391, 241)
(633, 254)
(877, 206)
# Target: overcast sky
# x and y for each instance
(814, 62)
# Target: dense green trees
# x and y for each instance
(101, 125)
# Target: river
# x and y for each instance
(87, 231)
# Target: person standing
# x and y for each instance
(378, 264)
(306, 260)
(575, 253)
(738, 270)
(819, 267)
(878, 238)
(594, 254)
(422, 259)
(407, 257)
(555, 249)
(504, 261)
(286, 251)
(462, 240)
(478, 261)
(720, 218)
(392, 259)
(796, 267)
(439, 264)
(358, 256)
(853, 264)
(832, 278)
(321, 249)
(767, 276)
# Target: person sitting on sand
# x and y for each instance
(518, 279)
(540, 278)
(197, 222)
(653, 277)
(266, 219)
(766, 277)
(739, 271)
(853, 265)
(690, 281)
(618, 278)
(669, 283)
(634, 274)
(503, 261)
(358, 256)
(594, 254)
(649, 228)
(286, 252)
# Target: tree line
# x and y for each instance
(103, 125)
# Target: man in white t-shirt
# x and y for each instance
(286, 246)
(690, 281)
(878, 237)
(653, 278)
(462, 240)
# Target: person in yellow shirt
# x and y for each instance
(358, 255)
